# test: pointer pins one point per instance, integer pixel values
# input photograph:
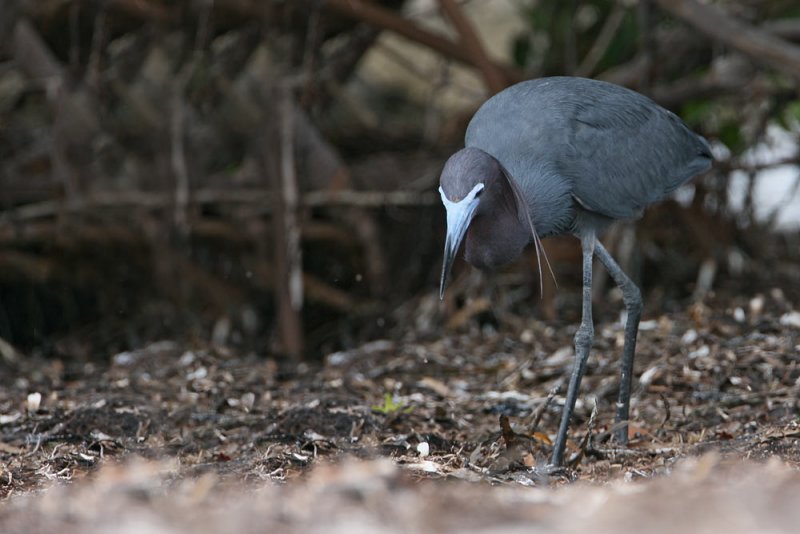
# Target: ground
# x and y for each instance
(406, 433)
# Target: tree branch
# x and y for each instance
(494, 78)
(258, 197)
(761, 46)
(603, 41)
(383, 18)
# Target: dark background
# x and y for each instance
(163, 163)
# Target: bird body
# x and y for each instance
(564, 155)
(572, 143)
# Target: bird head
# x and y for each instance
(465, 177)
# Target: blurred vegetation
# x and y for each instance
(146, 147)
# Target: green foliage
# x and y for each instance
(730, 133)
(624, 45)
(718, 116)
(558, 30)
(390, 406)
(791, 115)
(521, 50)
(697, 112)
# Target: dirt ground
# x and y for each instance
(405, 433)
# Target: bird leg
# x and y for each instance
(633, 305)
(583, 343)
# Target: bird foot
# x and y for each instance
(550, 471)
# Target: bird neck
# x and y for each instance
(548, 196)
(497, 234)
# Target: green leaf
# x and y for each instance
(731, 135)
(793, 110)
(697, 112)
(389, 406)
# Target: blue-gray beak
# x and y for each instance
(459, 215)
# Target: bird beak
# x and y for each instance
(459, 215)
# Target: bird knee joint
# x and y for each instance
(634, 305)
(632, 296)
(584, 336)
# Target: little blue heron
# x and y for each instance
(565, 155)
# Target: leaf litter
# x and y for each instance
(445, 433)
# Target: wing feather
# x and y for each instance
(612, 149)
(627, 153)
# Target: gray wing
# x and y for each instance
(613, 150)
(626, 153)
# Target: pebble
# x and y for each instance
(689, 337)
(791, 318)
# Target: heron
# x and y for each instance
(565, 155)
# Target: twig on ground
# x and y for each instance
(536, 417)
(586, 441)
